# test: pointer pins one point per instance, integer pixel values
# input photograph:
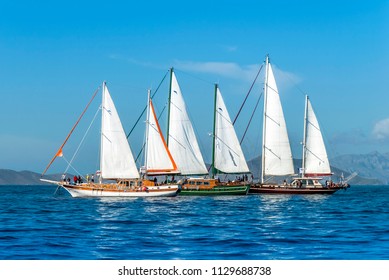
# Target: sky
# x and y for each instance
(54, 55)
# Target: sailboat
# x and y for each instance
(277, 157)
(116, 162)
(227, 153)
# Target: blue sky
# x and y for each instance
(53, 55)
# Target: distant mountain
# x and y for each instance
(372, 165)
(11, 177)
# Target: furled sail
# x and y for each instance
(277, 154)
(158, 157)
(229, 157)
(117, 161)
(315, 155)
(182, 140)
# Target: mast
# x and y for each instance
(168, 106)
(264, 120)
(101, 132)
(147, 129)
(305, 136)
(213, 172)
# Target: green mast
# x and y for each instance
(168, 106)
(214, 134)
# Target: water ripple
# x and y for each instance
(354, 224)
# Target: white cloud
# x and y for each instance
(230, 48)
(381, 130)
(135, 61)
(226, 69)
(233, 70)
(285, 79)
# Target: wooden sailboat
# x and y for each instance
(276, 153)
(227, 154)
(116, 163)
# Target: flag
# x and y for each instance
(59, 153)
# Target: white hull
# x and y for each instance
(86, 190)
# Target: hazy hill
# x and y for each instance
(372, 165)
(11, 177)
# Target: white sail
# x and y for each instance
(315, 155)
(182, 140)
(117, 161)
(158, 158)
(229, 157)
(277, 154)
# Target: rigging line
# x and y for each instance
(71, 131)
(69, 164)
(225, 144)
(141, 150)
(230, 149)
(160, 114)
(289, 77)
(223, 116)
(251, 118)
(57, 189)
(82, 140)
(273, 153)
(144, 110)
(316, 156)
(248, 93)
(314, 126)
(298, 88)
(269, 178)
(193, 76)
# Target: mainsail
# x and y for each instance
(116, 159)
(158, 157)
(182, 140)
(315, 159)
(228, 154)
(276, 153)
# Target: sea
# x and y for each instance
(36, 223)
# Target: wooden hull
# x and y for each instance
(114, 190)
(215, 190)
(259, 189)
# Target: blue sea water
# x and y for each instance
(352, 224)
